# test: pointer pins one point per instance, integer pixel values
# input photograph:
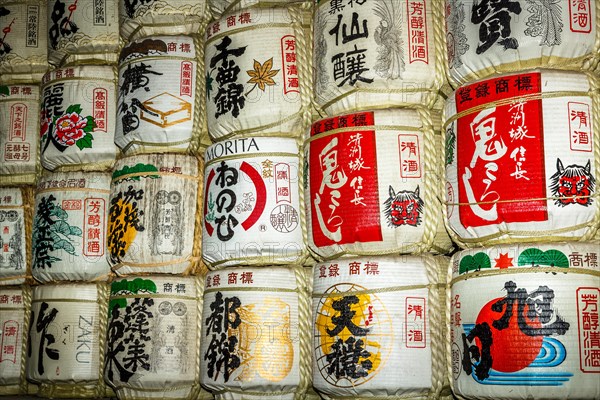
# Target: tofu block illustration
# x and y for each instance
(165, 110)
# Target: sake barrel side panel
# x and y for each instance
(77, 126)
(252, 211)
(15, 233)
(484, 39)
(522, 321)
(69, 227)
(252, 74)
(67, 334)
(522, 159)
(19, 134)
(158, 96)
(82, 32)
(160, 17)
(14, 304)
(377, 328)
(371, 188)
(152, 217)
(24, 49)
(162, 359)
(251, 344)
(377, 54)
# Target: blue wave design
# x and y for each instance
(552, 353)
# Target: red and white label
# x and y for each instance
(185, 84)
(99, 109)
(580, 126)
(290, 68)
(71, 205)
(93, 227)
(580, 14)
(10, 341)
(417, 31)
(344, 190)
(588, 305)
(282, 183)
(410, 156)
(18, 125)
(17, 152)
(501, 176)
(414, 325)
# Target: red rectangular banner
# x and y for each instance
(344, 184)
(501, 175)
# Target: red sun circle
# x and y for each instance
(511, 349)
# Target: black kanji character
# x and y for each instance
(349, 67)
(472, 354)
(116, 333)
(344, 319)
(46, 339)
(349, 359)
(229, 97)
(61, 26)
(355, 32)
(493, 18)
(221, 356)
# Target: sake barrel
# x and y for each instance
(82, 32)
(19, 133)
(378, 54)
(372, 185)
(16, 206)
(140, 19)
(523, 321)
(484, 38)
(255, 333)
(154, 220)
(162, 359)
(218, 7)
(377, 328)
(24, 45)
(67, 338)
(522, 157)
(15, 303)
(252, 212)
(159, 100)
(257, 73)
(69, 227)
(77, 126)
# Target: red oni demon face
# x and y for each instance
(403, 208)
(572, 185)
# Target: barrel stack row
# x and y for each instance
(522, 154)
(344, 188)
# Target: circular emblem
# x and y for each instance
(12, 216)
(355, 325)
(165, 308)
(284, 218)
(179, 309)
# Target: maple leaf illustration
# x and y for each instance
(262, 75)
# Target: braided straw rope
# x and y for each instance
(594, 82)
(28, 194)
(198, 267)
(304, 285)
(23, 384)
(199, 285)
(440, 53)
(432, 269)
(200, 138)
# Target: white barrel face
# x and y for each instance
(522, 321)
(252, 212)
(376, 325)
(158, 80)
(152, 216)
(77, 122)
(521, 159)
(159, 360)
(252, 73)
(14, 305)
(377, 54)
(69, 227)
(82, 32)
(484, 39)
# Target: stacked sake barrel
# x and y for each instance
(256, 319)
(153, 225)
(23, 62)
(522, 158)
(374, 216)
